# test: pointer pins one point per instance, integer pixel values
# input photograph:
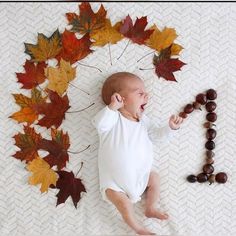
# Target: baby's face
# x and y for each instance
(135, 96)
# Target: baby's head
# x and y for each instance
(130, 87)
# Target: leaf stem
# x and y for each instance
(79, 151)
(123, 50)
(79, 168)
(89, 66)
(145, 55)
(81, 109)
(146, 68)
(78, 88)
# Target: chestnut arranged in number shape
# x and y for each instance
(206, 99)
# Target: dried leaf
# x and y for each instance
(46, 48)
(54, 112)
(74, 49)
(28, 143)
(60, 77)
(108, 34)
(33, 76)
(87, 21)
(42, 174)
(69, 186)
(136, 33)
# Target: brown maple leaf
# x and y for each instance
(74, 49)
(57, 148)
(87, 21)
(28, 143)
(69, 186)
(33, 76)
(46, 48)
(165, 67)
(136, 33)
(54, 112)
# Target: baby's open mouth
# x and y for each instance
(142, 106)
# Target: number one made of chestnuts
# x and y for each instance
(207, 99)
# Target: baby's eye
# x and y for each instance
(140, 94)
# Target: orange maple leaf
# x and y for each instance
(87, 21)
(27, 112)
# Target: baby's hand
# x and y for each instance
(175, 121)
(116, 102)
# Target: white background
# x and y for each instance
(207, 33)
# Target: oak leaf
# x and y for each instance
(74, 49)
(27, 113)
(60, 77)
(33, 76)
(136, 33)
(28, 143)
(42, 174)
(87, 21)
(107, 34)
(46, 48)
(54, 111)
(69, 186)
(160, 40)
(57, 148)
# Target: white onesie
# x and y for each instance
(125, 152)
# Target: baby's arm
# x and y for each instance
(164, 133)
(105, 119)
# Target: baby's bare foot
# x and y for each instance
(144, 232)
(154, 213)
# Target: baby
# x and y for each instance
(126, 151)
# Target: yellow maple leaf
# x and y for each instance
(175, 49)
(46, 48)
(107, 34)
(27, 112)
(42, 174)
(60, 77)
(160, 40)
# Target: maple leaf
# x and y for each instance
(27, 112)
(160, 40)
(74, 49)
(28, 143)
(136, 32)
(54, 112)
(175, 49)
(46, 48)
(60, 77)
(165, 67)
(57, 148)
(107, 34)
(87, 21)
(69, 186)
(42, 174)
(33, 76)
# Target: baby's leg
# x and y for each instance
(125, 207)
(153, 195)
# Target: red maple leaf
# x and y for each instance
(69, 186)
(74, 49)
(135, 32)
(28, 143)
(33, 76)
(54, 112)
(165, 67)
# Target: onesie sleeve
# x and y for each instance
(105, 119)
(156, 133)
